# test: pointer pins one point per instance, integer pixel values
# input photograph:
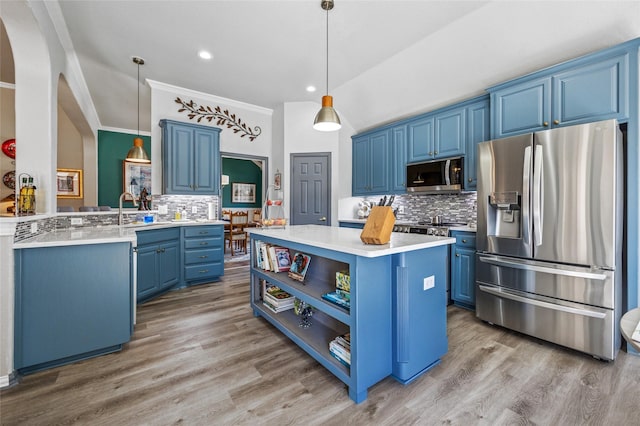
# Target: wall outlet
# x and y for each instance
(163, 209)
(401, 209)
(429, 282)
(34, 227)
(76, 221)
(194, 209)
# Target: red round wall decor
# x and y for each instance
(9, 148)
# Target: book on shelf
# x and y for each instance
(337, 299)
(342, 361)
(283, 259)
(275, 309)
(341, 351)
(344, 340)
(299, 266)
(343, 281)
(275, 295)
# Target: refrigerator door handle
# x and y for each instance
(505, 294)
(492, 260)
(526, 183)
(537, 196)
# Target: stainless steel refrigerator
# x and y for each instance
(549, 235)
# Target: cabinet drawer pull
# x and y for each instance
(204, 271)
(204, 232)
(204, 243)
(203, 257)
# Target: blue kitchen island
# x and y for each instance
(397, 314)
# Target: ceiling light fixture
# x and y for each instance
(205, 55)
(137, 154)
(311, 89)
(327, 119)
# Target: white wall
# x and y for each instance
(300, 137)
(163, 106)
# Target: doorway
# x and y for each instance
(311, 189)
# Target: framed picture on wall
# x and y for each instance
(135, 176)
(243, 193)
(69, 183)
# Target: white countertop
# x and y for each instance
(101, 235)
(347, 240)
(400, 222)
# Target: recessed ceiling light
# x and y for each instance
(311, 88)
(204, 54)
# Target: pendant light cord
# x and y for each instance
(327, 51)
(138, 83)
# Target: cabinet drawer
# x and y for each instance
(203, 231)
(202, 256)
(203, 243)
(203, 271)
(157, 235)
(466, 240)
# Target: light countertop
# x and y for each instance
(101, 235)
(347, 240)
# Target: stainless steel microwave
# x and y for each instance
(436, 176)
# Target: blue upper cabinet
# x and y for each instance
(450, 134)
(371, 163)
(522, 108)
(420, 139)
(587, 89)
(191, 158)
(477, 131)
(398, 182)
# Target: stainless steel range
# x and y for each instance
(426, 228)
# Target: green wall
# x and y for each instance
(241, 171)
(112, 149)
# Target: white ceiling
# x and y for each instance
(388, 59)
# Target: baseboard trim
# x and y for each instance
(8, 380)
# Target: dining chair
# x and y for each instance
(237, 236)
(257, 215)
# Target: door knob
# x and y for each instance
(323, 219)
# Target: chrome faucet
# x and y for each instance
(120, 205)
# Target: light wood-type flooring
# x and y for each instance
(199, 357)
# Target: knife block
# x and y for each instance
(379, 225)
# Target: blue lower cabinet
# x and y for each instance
(463, 269)
(203, 257)
(158, 262)
(71, 303)
(351, 225)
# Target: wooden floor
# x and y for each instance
(199, 357)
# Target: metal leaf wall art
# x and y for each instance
(221, 117)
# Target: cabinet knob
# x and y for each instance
(556, 121)
(464, 241)
(457, 255)
(435, 153)
(430, 153)
(158, 250)
(545, 124)
(470, 180)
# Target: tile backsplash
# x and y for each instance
(420, 207)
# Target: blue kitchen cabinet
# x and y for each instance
(588, 89)
(71, 303)
(420, 139)
(463, 269)
(191, 158)
(371, 163)
(398, 176)
(203, 253)
(158, 262)
(351, 225)
(478, 130)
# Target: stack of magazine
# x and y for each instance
(342, 295)
(275, 299)
(340, 349)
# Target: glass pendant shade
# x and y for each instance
(327, 119)
(137, 154)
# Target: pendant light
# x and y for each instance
(327, 119)
(137, 154)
